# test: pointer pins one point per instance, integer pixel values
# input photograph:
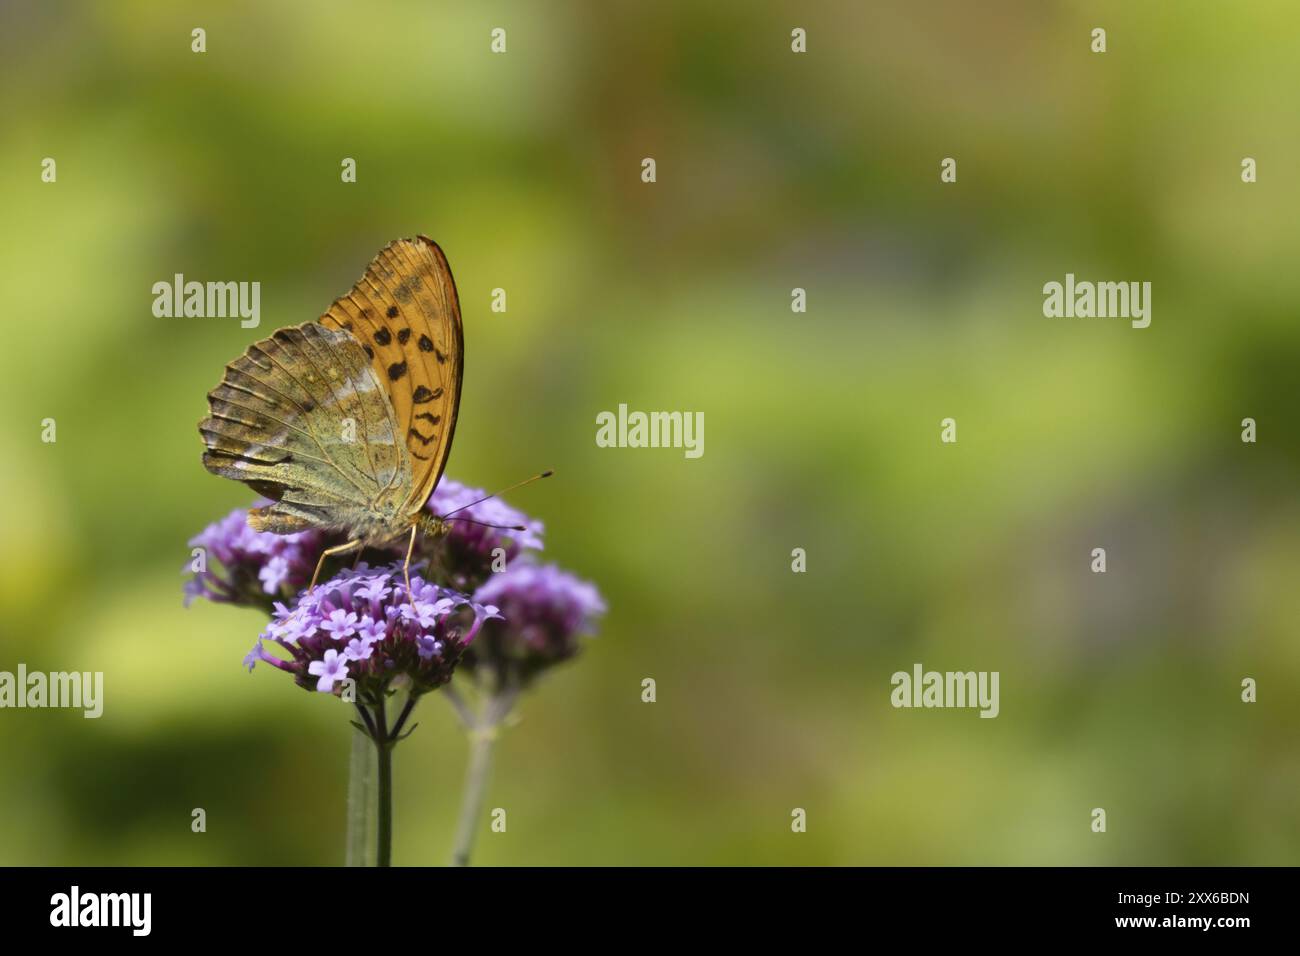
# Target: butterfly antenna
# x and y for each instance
(499, 527)
(518, 484)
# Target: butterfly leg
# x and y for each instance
(406, 568)
(337, 549)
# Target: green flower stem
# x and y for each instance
(482, 729)
(471, 806)
(363, 801)
(370, 784)
(384, 749)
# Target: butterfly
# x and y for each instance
(346, 423)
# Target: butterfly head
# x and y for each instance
(432, 526)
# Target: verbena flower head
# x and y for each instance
(255, 569)
(465, 554)
(243, 566)
(543, 610)
(363, 626)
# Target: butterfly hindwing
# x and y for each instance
(301, 418)
(405, 315)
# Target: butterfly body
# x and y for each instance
(346, 423)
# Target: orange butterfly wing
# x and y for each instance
(405, 313)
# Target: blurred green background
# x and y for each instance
(775, 170)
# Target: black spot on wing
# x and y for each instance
(396, 370)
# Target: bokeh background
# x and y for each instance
(775, 170)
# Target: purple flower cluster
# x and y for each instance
(250, 567)
(544, 611)
(362, 625)
(466, 555)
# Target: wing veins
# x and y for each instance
(296, 454)
(354, 403)
(355, 317)
(306, 417)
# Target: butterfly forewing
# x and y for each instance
(302, 418)
(405, 315)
